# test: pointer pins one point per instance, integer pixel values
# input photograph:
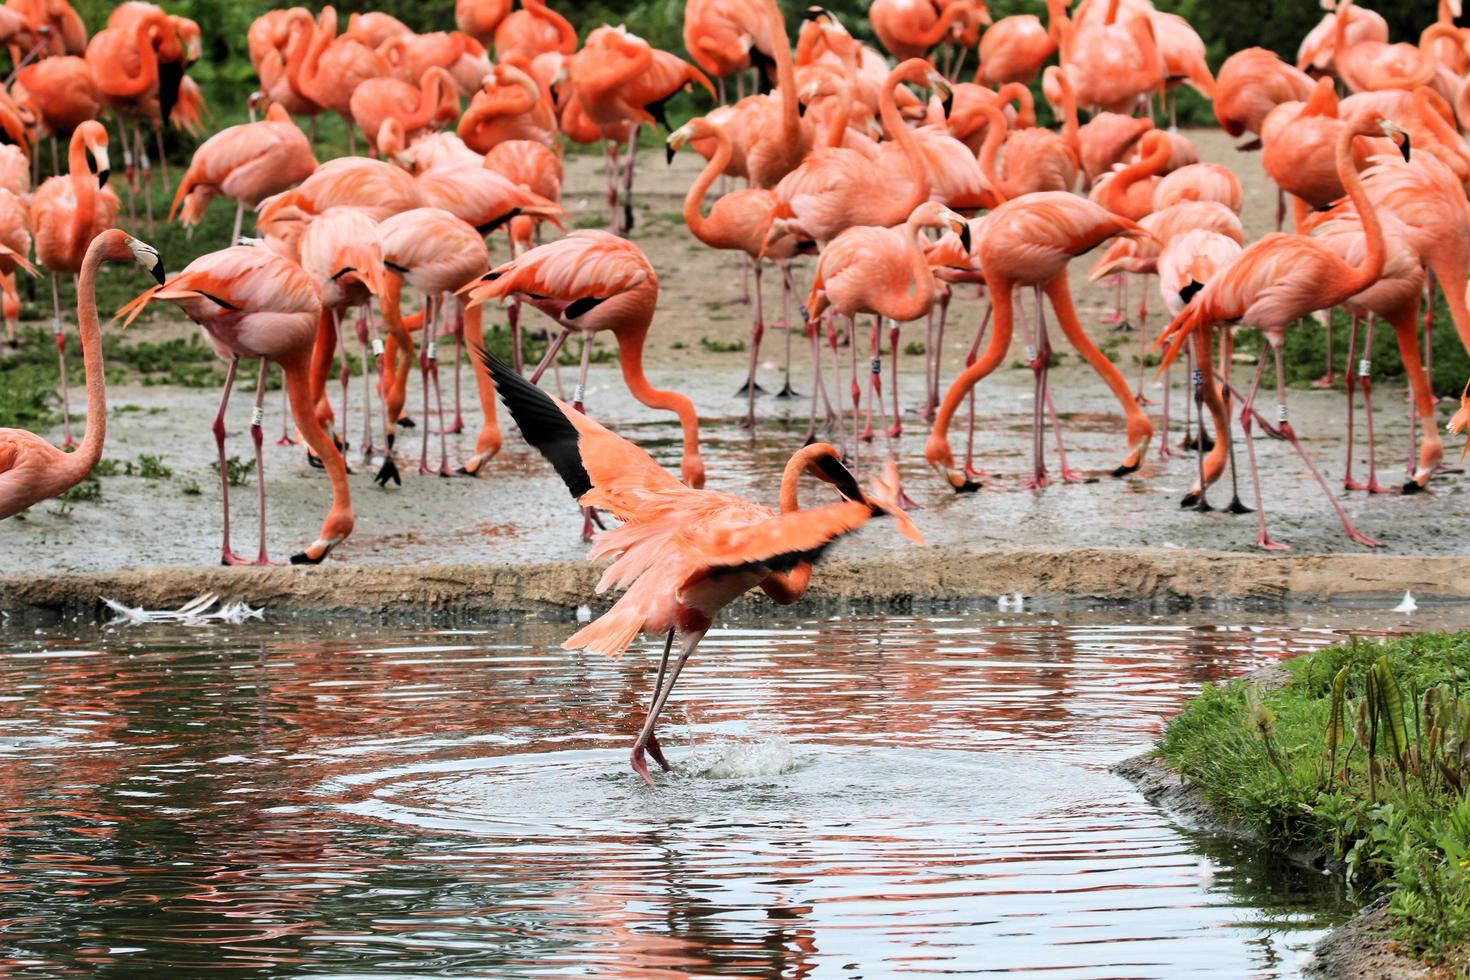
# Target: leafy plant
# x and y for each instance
(237, 471)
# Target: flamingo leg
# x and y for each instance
(1140, 397)
(1039, 355)
(1246, 418)
(432, 352)
(1227, 347)
(856, 388)
(757, 331)
(239, 222)
(551, 351)
(146, 168)
(257, 438)
(875, 375)
(971, 473)
(1197, 382)
(1329, 376)
(67, 441)
(227, 556)
(663, 667)
(580, 392)
(344, 378)
(787, 288)
(896, 429)
(1350, 382)
(1421, 402)
(513, 317)
(365, 335)
(458, 330)
(817, 387)
(1365, 370)
(163, 159)
(424, 365)
(285, 439)
(628, 181)
(636, 759)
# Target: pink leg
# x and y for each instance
(285, 439)
(757, 330)
(896, 429)
(1365, 370)
(257, 437)
(426, 356)
(552, 350)
(227, 556)
(787, 288)
(1351, 384)
(1247, 417)
(875, 376)
(67, 441)
(1039, 355)
(971, 473)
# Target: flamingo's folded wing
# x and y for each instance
(599, 467)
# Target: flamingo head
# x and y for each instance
(147, 256)
(94, 137)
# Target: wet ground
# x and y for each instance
(853, 797)
(517, 511)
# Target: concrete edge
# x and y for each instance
(890, 581)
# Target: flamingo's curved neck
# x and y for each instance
(893, 123)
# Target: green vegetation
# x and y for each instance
(237, 471)
(1364, 756)
(721, 346)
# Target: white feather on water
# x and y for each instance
(1407, 605)
(196, 612)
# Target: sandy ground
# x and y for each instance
(517, 511)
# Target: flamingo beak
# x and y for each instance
(1392, 130)
(944, 90)
(676, 141)
(963, 228)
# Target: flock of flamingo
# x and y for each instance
(902, 182)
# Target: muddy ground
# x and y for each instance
(518, 511)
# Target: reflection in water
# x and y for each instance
(854, 797)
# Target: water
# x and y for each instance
(853, 798)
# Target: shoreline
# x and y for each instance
(1171, 579)
(1359, 947)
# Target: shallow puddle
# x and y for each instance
(855, 797)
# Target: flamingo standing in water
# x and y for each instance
(1278, 280)
(33, 470)
(684, 553)
(253, 303)
(884, 272)
(740, 221)
(587, 282)
(68, 212)
(1030, 241)
(437, 253)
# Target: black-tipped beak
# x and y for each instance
(969, 486)
(158, 272)
(342, 272)
(800, 108)
(813, 13)
(669, 152)
(1405, 148)
(965, 237)
(102, 176)
(946, 104)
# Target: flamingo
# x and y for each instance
(910, 28)
(720, 36)
(328, 68)
(740, 221)
(618, 78)
(436, 253)
(1014, 49)
(479, 18)
(1278, 280)
(684, 553)
(532, 30)
(61, 93)
(587, 282)
(1030, 241)
(33, 470)
(432, 103)
(339, 250)
(68, 212)
(1250, 84)
(510, 106)
(375, 28)
(884, 272)
(246, 163)
(255, 304)
(460, 56)
(379, 188)
(1112, 64)
(15, 250)
(1358, 25)
(1185, 265)
(271, 38)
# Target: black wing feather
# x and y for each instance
(542, 423)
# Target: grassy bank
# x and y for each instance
(1364, 756)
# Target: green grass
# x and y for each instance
(1363, 755)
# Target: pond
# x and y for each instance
(853, 797)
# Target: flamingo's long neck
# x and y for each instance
(84, 189)
(941, 26)
(565, 33)
(1111, 16)
(1115, 192)
(893, 123)
(81, 462)
(995, 135)
(787, 587)
(919, 302)
(696, 221)
(630, 357)
(791, 128)
(1347, 172)
(842, 117)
